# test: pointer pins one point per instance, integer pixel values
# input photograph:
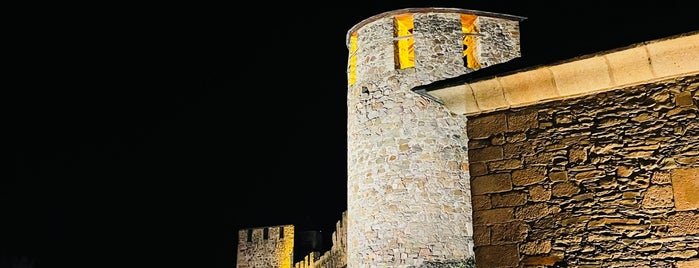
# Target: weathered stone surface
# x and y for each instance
(683, 223)
(478, 169)
(532, 212)
(493, 216)
(564, 189)
(539, 193)
(481, 235)
(535, 247)
(508, 232)
(509, 199)
(483, 127)
(506, 164)
(687, 264)
(528, 176)
(409, 160)
(521, 121)
(660, 177)
(558, 176)
(480, 202)
(685, 184)
(497, 256)
(658, 197)
(613, 162)
(495, 183)
(485, 154)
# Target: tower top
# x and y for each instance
(428, 10)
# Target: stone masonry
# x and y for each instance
(605, 180)
(266, 247)
(336, 257)
(408, 189)
(590, 163)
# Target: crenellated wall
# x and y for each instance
(604, 180)
(336, 257)
(266, 247)
(593, 162)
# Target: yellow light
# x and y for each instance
(468, 27)
(405, 49)
(353, 59)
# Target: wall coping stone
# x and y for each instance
(645, 62)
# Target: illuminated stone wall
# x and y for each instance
(408, 184)
(336, 257)
(274, 251)
(604, 180)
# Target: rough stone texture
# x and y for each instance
(259, 252)
(336, 257)
(685, 183)
(409, 196)
(608, 180)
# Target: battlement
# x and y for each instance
(337, 255)
(429, 44)
(266, 246)
(260, 234)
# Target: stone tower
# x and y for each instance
(409, 200)
(265, 247)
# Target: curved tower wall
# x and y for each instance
(408, 181)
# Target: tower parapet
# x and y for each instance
(271, 246)
(408, 182)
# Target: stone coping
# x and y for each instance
(427, 10)
(642, 63)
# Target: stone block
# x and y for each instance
(523, 120)
(505, 164)
(582, 76)
(488, 94)
(683, 223)
(495, 183)
(497, 256)
(564, 189)
(485, 154)
(509, 232)
(684, 99)
(558, 176)
(485, 126)
(685, 186)
(493, 216)
(528, 176)
(541, 261)
(509, 199)
(480, 202)
(674, 56)
(657, 197)
(477, 169)
(532, 212)
(535, 247)
(529, 87)
(687, 264)
(458, 99)
(481, 235)
(538, 193)
(629, 66)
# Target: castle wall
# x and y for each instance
(609, 179)
(257, 251)
(408, 184)
(336, 257)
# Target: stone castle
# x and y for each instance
(590, 162)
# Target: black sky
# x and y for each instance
(148, 135)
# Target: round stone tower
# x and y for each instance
(408, 181)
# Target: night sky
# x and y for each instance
(146, 136)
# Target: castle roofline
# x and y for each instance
(641, 63)
(428, 10)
